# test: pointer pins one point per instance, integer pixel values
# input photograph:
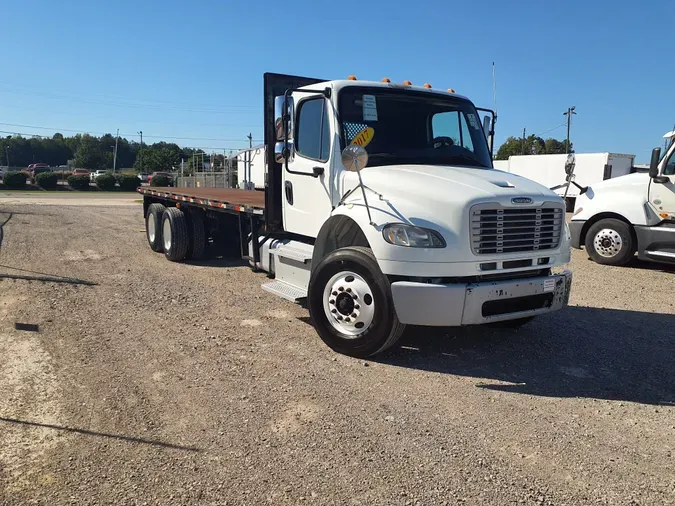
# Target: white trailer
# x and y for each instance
(251, 167)
(549, 170)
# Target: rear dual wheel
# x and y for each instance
(179, 235)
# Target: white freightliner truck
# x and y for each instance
(616, 218)
(381, 210)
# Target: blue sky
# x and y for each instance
(193, 71)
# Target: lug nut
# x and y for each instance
(340, 317)
(349, 289)
(356, 306)
(353, 315)
(341, 289)
(334, 294)
(331, 301)
(333, 310)
(347, 320)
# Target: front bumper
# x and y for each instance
(479, 303)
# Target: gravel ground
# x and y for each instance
(150, 382)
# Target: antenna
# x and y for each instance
(494, 88)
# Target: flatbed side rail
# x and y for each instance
(205, 203)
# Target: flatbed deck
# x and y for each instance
(231, 199)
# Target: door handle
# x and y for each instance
(288, 189)
(317, 171)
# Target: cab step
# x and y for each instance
(285, 291)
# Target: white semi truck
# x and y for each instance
(381, 209)
(549, 170)
(615, 219)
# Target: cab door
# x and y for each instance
(306, 188)
(662, 195)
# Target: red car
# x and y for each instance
(167, 174)
(80, 172)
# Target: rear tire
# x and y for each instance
(197, 244)
(610, 242)
(350, 303)
(153, 226)
(175, 236)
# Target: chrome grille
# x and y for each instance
(509, 230)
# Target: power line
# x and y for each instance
(123, 134)
(64, 94)
(233, 109)
(550, 130)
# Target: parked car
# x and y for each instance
(80, 172)
(161, 173)
(37, 170)
(143, 176)
(96, 173)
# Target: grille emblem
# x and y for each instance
(521, 200)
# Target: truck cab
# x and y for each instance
(615, 219)
(390, 191)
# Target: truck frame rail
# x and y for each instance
(232, 200)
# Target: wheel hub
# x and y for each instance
(344, 303)
(151, 227)
(166, 234)
(348, 304)
(608, 242)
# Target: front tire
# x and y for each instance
(350, 303)
(175, 235)
(153, 226)
(610, 242)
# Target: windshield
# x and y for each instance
(414, 127)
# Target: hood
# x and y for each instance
(634, 179)
(452, 182)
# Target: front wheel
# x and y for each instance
(350, 303)
(610, 242)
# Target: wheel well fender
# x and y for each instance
(601, 216)
(337, 232)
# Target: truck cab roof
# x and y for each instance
(344, 83)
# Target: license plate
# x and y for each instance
(549, 285)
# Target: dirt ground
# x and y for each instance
(149, 382)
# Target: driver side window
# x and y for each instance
(452, 124)
(669, 169)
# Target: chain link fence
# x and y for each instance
(207, 180)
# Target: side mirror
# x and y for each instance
(569, 164)
(283, 117)
(654, 163)
(486, 126)
(354, 158)
(283, 153)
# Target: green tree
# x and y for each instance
(534, 145)
(90, 154)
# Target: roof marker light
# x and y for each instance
(451, 90)
(427, 85)
(352, 78)
(407, 83)
(386, 80)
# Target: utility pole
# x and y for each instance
(250, 140)
(141, 150)
(570, 111)
(115, 155)
(523, 150)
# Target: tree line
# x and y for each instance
(97, 153)
(532, 145)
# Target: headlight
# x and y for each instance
(411, 236)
